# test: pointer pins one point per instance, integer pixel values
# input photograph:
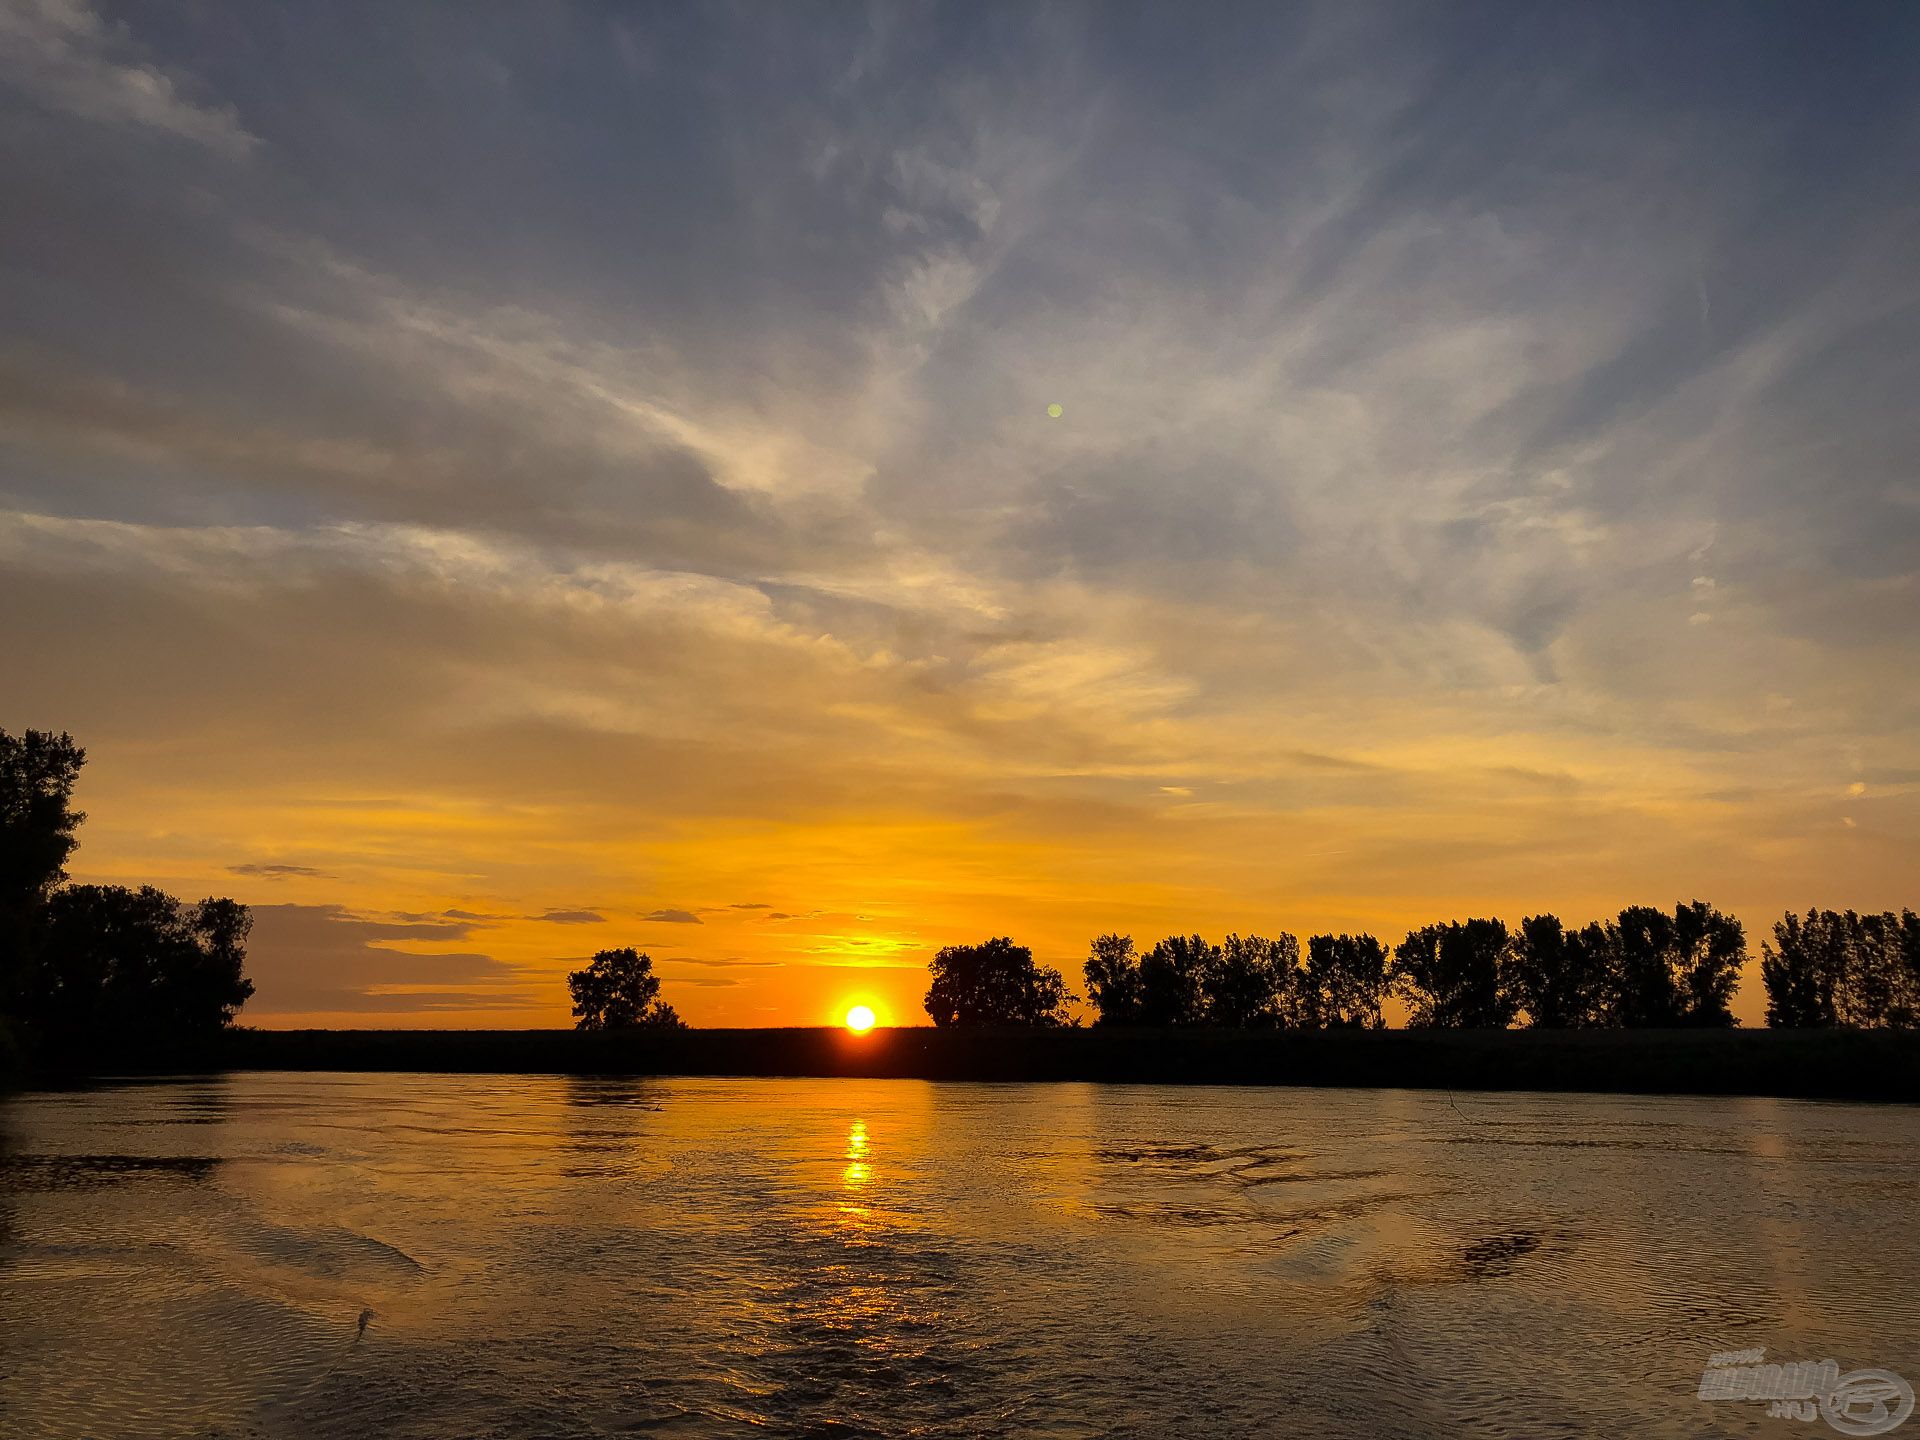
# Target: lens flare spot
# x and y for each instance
(1056, 410)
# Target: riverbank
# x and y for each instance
(1814, 1064)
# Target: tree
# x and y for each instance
(116, 964)
(994, 983)
(1843, 969)
(37, 824)
(1558, 976)
(619, 991)
(1454, 975)
(1341, 985)
(1640, 969)
(1905, 1011)
(1246, 985)
(1678, 969)
(1710, 947)
(1803, 970)
(1174, 976)
(1112, 973)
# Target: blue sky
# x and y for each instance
(507, 460)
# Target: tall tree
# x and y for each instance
(1840, 968)
(1174, 976)
(1678, 969)
(1640, 988)
(1454, 975)
(1709, 949)
(1558, 977)
(619, 991)
(1112, 974)
(994, 983)
(1803, 970)
(1342, 984)
(1247, 984)
(37, 824)
(1905, 1010)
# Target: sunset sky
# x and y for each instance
(491, 483)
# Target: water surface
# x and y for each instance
(402, 1255)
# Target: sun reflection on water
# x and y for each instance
(859, 1171)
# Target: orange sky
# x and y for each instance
(790, 501)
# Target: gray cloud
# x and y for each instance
(325, 958)
(673, 917)
(66, 57)
(1462, 410)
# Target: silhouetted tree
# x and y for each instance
(1842, 968)
(1112, 973)
(1557, 976)
(619, 991)
(1803, 975)
(1905, 1010)
(1248, 983)
(1679, 969)
(1710, 949)
(118, 964)
(37, 824)
(1173, 981)
(1454, 975)
(995, 983)
(1341, 985)
(1640, 964)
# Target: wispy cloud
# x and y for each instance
(1483, 465)
(64, 55)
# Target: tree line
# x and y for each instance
(1644, 968)
(84, 968)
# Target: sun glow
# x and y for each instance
(860, 1019)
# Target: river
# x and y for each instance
(310, 1255)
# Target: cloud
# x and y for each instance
(325, 958)
(276, 872)
(570, 917)
(1412, 409)
(61, 53)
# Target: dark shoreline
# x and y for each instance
(1877, 1065)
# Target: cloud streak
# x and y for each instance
(1484, 474)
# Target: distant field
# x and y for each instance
(1837, 1064)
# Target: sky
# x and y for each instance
(490, 483)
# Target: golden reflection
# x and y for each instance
(858, 1171)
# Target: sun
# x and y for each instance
(860, 1019)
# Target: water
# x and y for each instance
(320, 1256)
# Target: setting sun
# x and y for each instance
(860, 1019)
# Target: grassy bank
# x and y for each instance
(1837, 1064)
